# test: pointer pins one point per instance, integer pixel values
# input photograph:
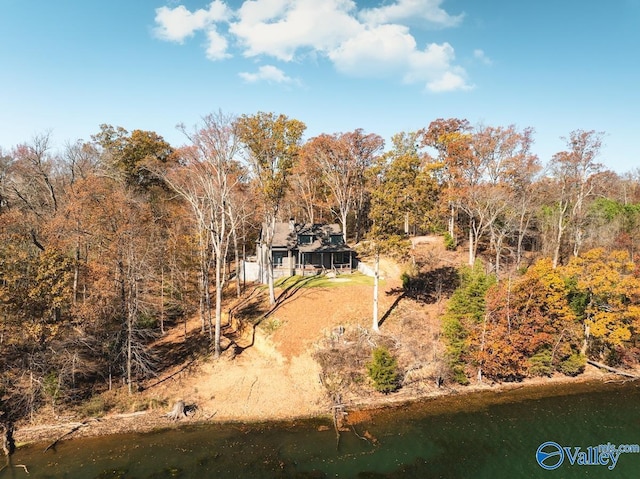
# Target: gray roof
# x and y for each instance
(286, 237)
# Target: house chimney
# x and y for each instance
(292, 225)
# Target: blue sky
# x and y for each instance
(385, 66)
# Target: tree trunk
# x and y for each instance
(561, 226)
(219, 286)
(7, 443)
(452, 221)
(178, 412)
(376, 276)
(343, 220)
(272, 290)
(471, 245)
(130, 320)
(271, 226)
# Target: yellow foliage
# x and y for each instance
(613, 293)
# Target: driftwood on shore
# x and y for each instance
(612, 370)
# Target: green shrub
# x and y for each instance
(146, 321)
(271, 325)
(540, 364)
(449, 242)
(573, 365)
(458, 373)
(383, 371)
(94, 407)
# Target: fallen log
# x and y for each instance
(68, 433)
(612, 370)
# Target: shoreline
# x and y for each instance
(445, 400)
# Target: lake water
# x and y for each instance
(484, 435)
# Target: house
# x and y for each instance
(305, 249)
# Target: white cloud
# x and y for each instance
(280, 28)
(377, 51)
(411, 11)
(388, 50)
(367, 42)
(217, 46)
(480, 55)
(176, 24)
(267, 73)
(449, 81)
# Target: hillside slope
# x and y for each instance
(271, 371)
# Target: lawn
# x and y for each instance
(323, 281)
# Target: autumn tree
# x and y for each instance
(529, 328)
(342, 160)
(364, 148)
(605, 292)
(451, 139)
(574, 171)
(272, 146)
(385, 236)
(337, 170)
(120, 242)
(497, 197)
(309, 196)
(134, 154)
(34, 187)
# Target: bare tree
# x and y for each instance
(207, 181)
(574, 171)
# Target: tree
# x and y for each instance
(384, 237)
(465, 317)
(383, 371)
(337, 170)
(574, 171)
(406, 186)
(529, 327)
(606, 291)
(501, 169)
(363, 148)
(342, 160)
(134, 155)
(34, 186)
(272, 144)
(309, 196)
(451, 139)
(207, 181)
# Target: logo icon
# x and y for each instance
(550, 455)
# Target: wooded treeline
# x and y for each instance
(106, 242)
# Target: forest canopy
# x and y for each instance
(107, 241)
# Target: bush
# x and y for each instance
(573, 365)
(449, 242)
(540, 364)
(94, 407)
(271, 325)
(383, 371)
